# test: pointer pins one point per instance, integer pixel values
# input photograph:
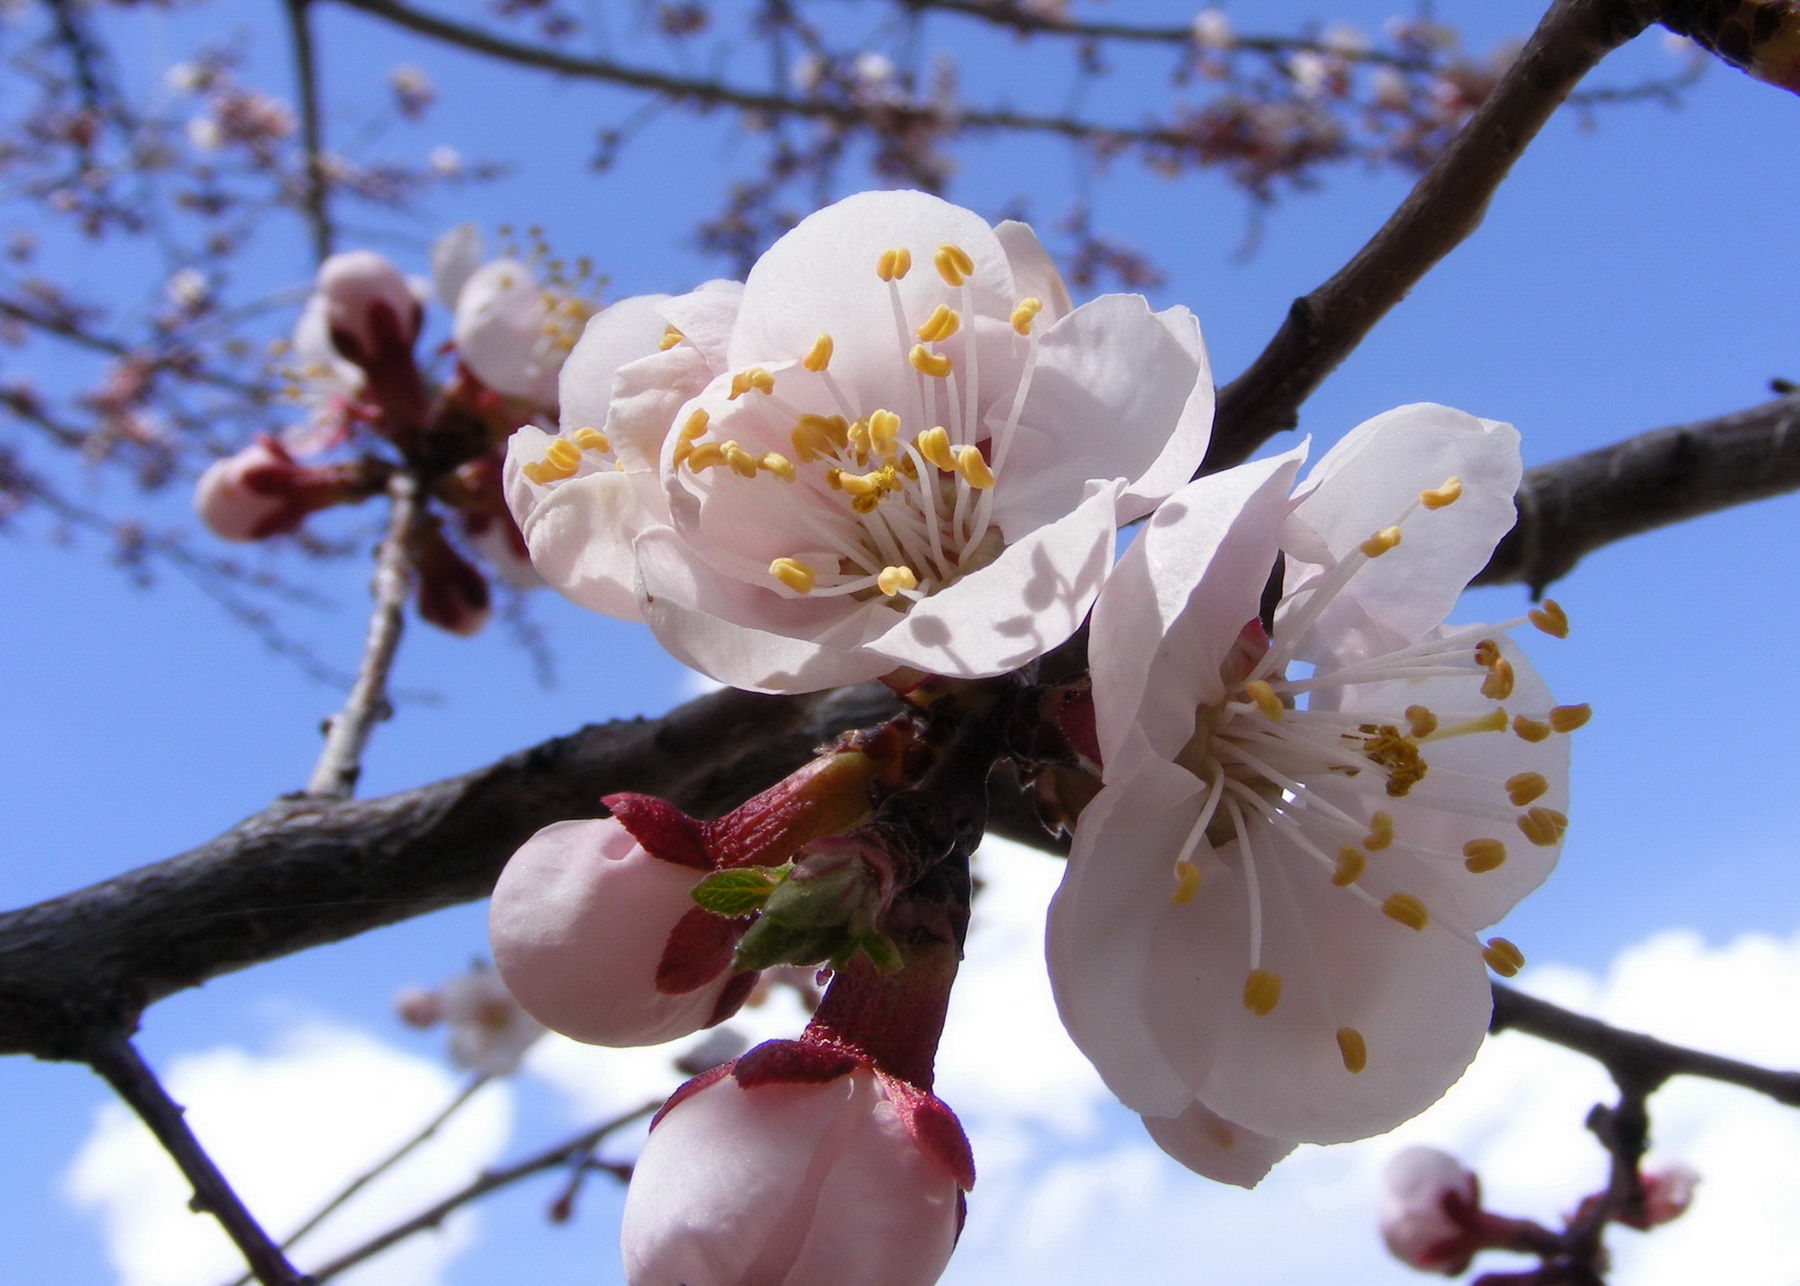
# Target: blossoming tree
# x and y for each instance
(974, 546)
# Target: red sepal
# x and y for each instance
(732, 998)
(697, 951)
(788, 1062)
(711, 1076)
(663, 829)
(933, 1127)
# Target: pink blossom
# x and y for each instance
(262, 492)
(583, 495)
(370, 311)
(1270, 909)
(1430, 1209)
(489, 1030)
(803, 1182)
(1668, 1191)
(902, 463)
(599, 938)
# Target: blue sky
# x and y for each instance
(1629, 276)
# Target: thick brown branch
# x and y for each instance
(114, 1057)
(309, 871)
(1444, 207)
(1571, 507)
(570, 1151)
(1638, 1063)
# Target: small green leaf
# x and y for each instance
(772, 942)
(739, 891)
(882, 952)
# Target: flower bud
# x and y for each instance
(1668, 1191)
(601, 940)
(370, 309)
(1429, 1210)
(418, 1007)
(262, 492)
(797, 1182)
(453, 595)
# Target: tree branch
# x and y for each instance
(1572, 507)
(570, 1150)
(306, 871)
(347, 732)
(306, 75)
(1637, 1063)
(1443, 209)
(115, 1058)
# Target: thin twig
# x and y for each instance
(1443, 209)
(491, 1181)
(380, 1168)
(1635, 1061)
(340, 762)
(116, 1059)
(313, 199)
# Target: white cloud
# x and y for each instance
(288, 1129)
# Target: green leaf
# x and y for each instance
(772, 942)
(882, 952)
(739, 891)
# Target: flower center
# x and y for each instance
(1276, 757)
(888, 503)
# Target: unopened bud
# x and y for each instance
(1668, 1191)
(418, 1007)
(370, 310)
(1428, 1211)
(453, 595)
(261, 491)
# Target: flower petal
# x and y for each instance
(1364, 484)
(1033, 270)
(454, 258)
(705, 317)
(1174, 604)
(622, 333)
(1208, 1144)
(1109, 399)
(1032, 597)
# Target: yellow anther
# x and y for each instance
(1382, 541)
(866, 504)
(1486, 653)
(929, 363)
(858, 435)
(1384, 745)
(894, 579)
(741, 461)
(1569, 718)
(934, 445)
(1420, 722)
(861, 484)
(1381, 833)
(751, 377)
(819, 435)
(1524, 787)
(1187, 883)
(834, 478)
(953, 264)
(1026, 313)
(1482, 855)
(1354, 1049)
(793, 573)
(818, 357)
(779, 465)
(973, 469)
(679, 456)
(1438, 497)
(671, 337)
(941, 325)
(1530, 729)
(1350, 863)
(1499, 683)
(704, 456)
(1262, 992)
(1267, 703)
(544, 473)
(1503, 957)
(695, 426)
(562, 454)
(590, 440)
(884, 433)
(1543, 826)
(1550, 618)
(1404, 908)
(893, 264)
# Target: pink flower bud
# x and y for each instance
(1429, 1210)
(805, 1183)
(601, 940)
(1668, 1191)
(370, 310)
(418, 1007)
(262, 492)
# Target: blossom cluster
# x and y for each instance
(900, 451)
